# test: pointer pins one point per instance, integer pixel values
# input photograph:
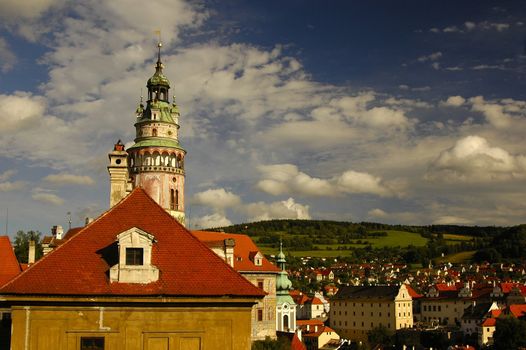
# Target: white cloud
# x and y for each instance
(287, 209)
(6, 175)
(377, 214)
(11, 186)
(452, 220)
(218, 198)
(68, 179)
(7, 57)
(13, 10)
(431, 57)
(356, 182)
(46, 196)
(494, 112)
(6, 186)
(473, 159)
(450, 29)
(211, 221)
(20, 110)
(287, 179)
(454, 101)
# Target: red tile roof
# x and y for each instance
(413, 292)
(517, 310)
(296, 343)
(78, 267)
(489, 322)
(9, 266)
(244, 250)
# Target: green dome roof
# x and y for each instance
(158, 78)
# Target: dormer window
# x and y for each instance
(135, 258)
(257, 258)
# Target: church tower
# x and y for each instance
(285, 306)
(155, 162)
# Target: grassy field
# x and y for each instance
(393, 239)
(457, 257)
(451, 237)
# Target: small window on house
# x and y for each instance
(261, 284)
(260, 315)
(92, 343)
(134, 256)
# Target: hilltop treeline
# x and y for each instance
(357, 230)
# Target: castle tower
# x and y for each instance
(118, 169)
(155, 162)
(285, 306)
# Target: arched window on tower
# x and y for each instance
(154, 132)
(176, 199)
(285, 323)
(172, 199)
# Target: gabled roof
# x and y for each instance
(9, 266)
(244, 250)
(413, 293)
(80, 266)
(296, 343)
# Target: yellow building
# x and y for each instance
(134, 278)
(355, 310)
(444, 304)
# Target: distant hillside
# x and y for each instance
(413, 244)
(337, 228)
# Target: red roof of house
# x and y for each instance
(244, 250)
(9, 266)
(489, 322)
(517, 310)
(315, 301)
(413, 292)
(80, 266)
(296, 343)
(442, 287)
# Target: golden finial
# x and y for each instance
(159, 44)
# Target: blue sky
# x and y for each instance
(399, 112)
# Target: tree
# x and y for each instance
(281, 343)
(510, 334)
(380, 336)
(22, 245)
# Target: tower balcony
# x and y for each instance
(156, 168)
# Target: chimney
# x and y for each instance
(59, 231)
(88, 221)
(32, 252)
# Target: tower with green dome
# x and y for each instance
(285, 306)
(155, 162)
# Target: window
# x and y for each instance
(92, 343)
(261, 284)
(134, 256)
(154, 131)
(172, 199)
(286, 322)
(260, 315)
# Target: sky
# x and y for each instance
(401, 112)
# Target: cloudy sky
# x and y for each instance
(390, 111)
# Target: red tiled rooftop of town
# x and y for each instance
(413, 292)
(187, 267)
(9, 266)
(244, 250)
